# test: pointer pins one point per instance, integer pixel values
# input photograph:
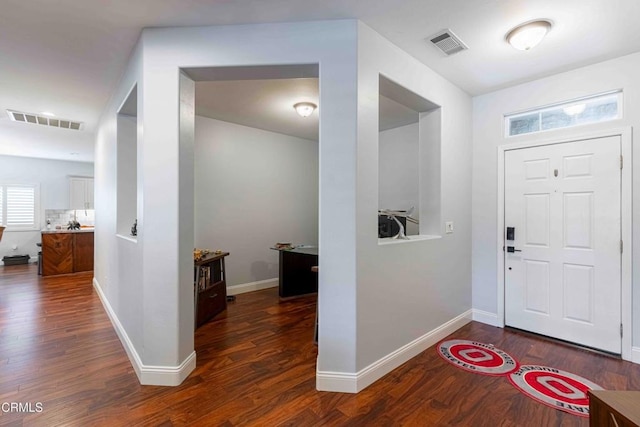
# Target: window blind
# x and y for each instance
(18, 206)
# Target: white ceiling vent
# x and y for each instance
(18, 116)
(448, 42)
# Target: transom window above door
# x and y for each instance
(577, 112)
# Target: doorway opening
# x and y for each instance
(255, 178)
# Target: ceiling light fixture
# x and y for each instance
(528, 35)
(304, 109)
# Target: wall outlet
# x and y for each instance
(448, 227)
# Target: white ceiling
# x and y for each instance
(268, 104)
(262, 104)
(66, 56)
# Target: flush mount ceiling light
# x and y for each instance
(304, 109)
(528, 35)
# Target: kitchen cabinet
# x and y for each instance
(80, 193)
(65, 252)
(57, 253)
(83, 252)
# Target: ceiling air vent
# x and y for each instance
(448, 42)
(18, 116)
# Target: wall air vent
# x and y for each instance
(18, 116)
(448, 42)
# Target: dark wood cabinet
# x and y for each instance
(614, 408)
(57, 253)
(296, 277)
(83, 252)
(210, 287)
(66, 252)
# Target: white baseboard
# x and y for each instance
(147, 374)
(252, 286)
(486, 317)
(338, 382)
(344, 382)
(635, 354)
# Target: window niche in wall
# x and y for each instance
(127, 169)
(408, 163)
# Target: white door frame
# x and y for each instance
(625, 218)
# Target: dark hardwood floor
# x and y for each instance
(255, 366)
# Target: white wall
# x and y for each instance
(399, 171)
(375, 300)
(488, 131)
(148, 283)
(406, 291)
(253, 188)
(53, 178)
(117, 264)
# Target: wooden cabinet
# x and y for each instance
(80, 193)
(614, 408)
(210, 287)
(83, 252)
(66, 252)
(296, 277)
(57, 253)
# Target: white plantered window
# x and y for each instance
(19, 206)
(591, 109)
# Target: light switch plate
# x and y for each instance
(448, 227)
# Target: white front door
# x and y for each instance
(563, 202)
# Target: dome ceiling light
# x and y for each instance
(528, 35)
(304, 109)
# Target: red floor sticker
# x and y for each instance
(477, 357)
(553, 387)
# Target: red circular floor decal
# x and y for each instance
(553, 387)
(477, 357)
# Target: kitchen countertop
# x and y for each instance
(64, 230)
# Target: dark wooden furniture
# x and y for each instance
(65, 252)
(296, 277)
(83, 252)
(57, 253)
(210, 287)
(614, 408)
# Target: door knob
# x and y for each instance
(512, 249)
